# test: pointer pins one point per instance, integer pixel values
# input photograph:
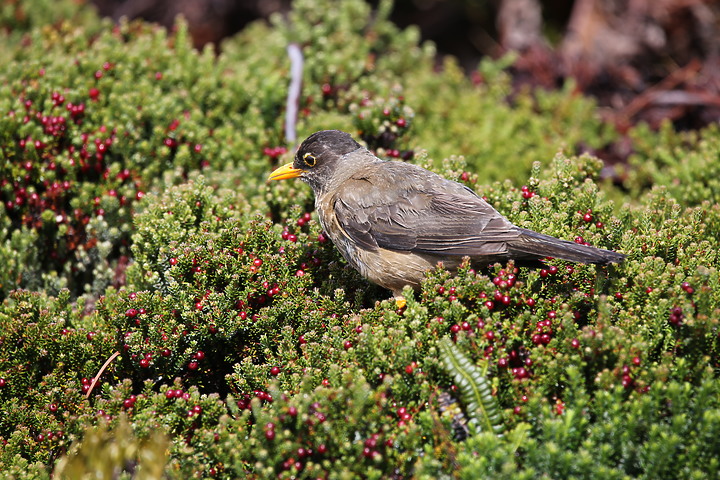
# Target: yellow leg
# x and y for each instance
(400, 302)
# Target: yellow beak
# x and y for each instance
(286, 171)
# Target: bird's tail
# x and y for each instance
(533, 245)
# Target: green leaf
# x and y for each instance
(475, 390)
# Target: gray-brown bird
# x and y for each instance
(394, 221)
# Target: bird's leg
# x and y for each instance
(400, 302)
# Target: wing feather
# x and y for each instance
(403, 208)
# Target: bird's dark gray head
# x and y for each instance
(319, 155)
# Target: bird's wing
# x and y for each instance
(400, 207)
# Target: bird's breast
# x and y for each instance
(334, 231)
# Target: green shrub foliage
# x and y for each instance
(168, 313)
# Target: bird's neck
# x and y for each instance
(350, 167)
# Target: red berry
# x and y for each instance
(275, 371)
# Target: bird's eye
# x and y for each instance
(309, 159)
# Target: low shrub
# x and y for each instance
(164, 308)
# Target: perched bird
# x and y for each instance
(393, 221)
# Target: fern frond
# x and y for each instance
(475, 391)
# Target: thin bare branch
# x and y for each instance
(100, 372)
(293, 98)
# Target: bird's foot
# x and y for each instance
(400, 302)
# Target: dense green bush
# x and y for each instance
(141, 246)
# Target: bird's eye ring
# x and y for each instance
(309, 159)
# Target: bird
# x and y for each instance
(393, 221)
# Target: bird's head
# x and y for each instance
(317, 158)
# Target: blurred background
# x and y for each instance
(648, 60)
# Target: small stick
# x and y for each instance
(102, 369)
(293, 98)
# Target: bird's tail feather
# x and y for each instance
(533, 245)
